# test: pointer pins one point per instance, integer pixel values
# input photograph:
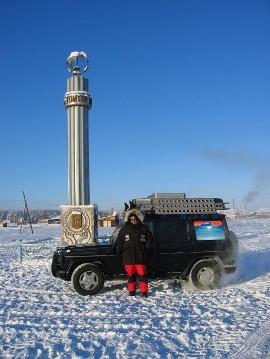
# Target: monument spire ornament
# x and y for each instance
(79, 217)
(77, 62)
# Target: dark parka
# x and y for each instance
(134, 242)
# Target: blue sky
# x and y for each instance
(180, 99)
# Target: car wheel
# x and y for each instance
(87, 279)
(205, 275)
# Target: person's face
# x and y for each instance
(133, 220)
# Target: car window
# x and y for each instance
(116, 231)
(172, 230)
(150, 225)
(209, 230)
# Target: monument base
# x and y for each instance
(79, 224)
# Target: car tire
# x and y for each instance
(87, 279)
(205, 275)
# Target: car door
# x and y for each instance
(152, 258)
(174, 243)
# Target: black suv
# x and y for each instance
(192, 246)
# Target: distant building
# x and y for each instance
(54, 220)
(108, 221)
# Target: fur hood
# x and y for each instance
(135, 212)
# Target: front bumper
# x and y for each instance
(58, 273)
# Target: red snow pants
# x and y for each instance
(140, 270)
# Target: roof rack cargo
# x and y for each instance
(176, 203)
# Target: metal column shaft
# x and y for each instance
(78, 102)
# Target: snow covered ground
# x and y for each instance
(41, 317)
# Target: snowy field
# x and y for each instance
(41, 317)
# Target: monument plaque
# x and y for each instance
(79, 224)
(76, 221)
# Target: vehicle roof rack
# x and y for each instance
(176, 203)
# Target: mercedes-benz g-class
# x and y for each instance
(191, 241)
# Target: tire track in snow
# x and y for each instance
(256, 342)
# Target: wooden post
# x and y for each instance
(26, 207)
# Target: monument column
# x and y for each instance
(79, 218)
(77, 102)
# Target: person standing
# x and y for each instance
(133, 245)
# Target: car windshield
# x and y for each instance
(116, 231)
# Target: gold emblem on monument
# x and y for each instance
(76, 221)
